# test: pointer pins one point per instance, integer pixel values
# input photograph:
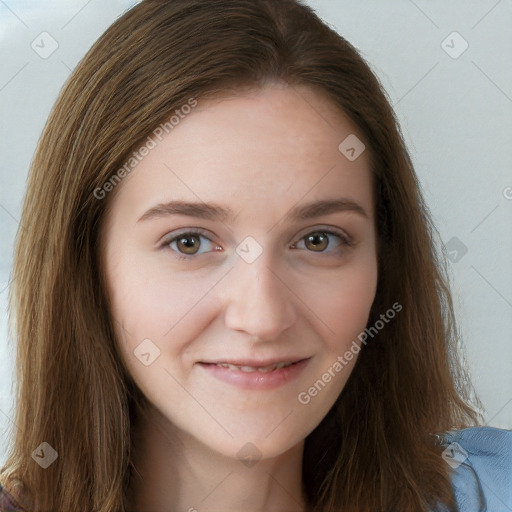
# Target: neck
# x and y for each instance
(176, 472)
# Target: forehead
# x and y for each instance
(268, 148)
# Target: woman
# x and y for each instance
(226, 288)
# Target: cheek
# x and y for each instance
(341, 303)
(150, 303)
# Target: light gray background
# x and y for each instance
(455, 114)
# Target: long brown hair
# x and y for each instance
(376, 449)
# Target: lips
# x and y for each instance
(254, 365)
(262, 369)
(255, 375)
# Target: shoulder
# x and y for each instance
(481, 458)
(7, 502)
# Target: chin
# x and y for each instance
(262, 439)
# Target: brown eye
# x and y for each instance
(188, 244)
(327, 242)
(317, 241)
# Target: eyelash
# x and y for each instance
(345, 241)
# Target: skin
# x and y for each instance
(261, 154)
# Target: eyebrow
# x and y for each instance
(212, 211)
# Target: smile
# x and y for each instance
(269, 376)
(263, 369)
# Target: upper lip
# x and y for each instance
(256, 363)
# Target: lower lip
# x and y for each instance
(256, 379)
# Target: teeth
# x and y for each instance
(248, 369)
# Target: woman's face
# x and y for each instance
(227, 245)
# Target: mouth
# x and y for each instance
(262, 375)
(261, 367)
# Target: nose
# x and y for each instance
(259, 300)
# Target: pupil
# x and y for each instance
(318, 240)
(190, 242)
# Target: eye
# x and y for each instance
(319, 241)
(189, 243)
(192, 243)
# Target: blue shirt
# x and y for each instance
(481, 458)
